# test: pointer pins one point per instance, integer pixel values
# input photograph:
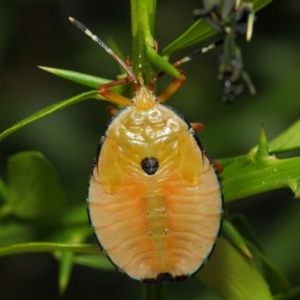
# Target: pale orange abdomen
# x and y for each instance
(160, 226)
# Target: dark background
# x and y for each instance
(37, 32)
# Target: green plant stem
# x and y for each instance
(142, 16)
(253, 179)
(154, 292)
(49, 247)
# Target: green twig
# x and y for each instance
(49, 247)
(154, 292)
(142, 16)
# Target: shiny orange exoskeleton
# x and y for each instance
(154, 198)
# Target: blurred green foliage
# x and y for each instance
(38, 33)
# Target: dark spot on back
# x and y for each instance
(165, 276)
(149, 165)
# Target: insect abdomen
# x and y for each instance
(168, 229)
(162, 225)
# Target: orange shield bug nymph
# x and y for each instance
(154, 198)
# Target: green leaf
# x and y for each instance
(276, 279)
(94, 261)
(73, 215)
(245, 229)
(200, 31)
(66, 261)
(84, 79)
(230, 274)
(49, 247)
(282, 242)
(70, 225)
(286, 141)
(235, 238)
(88, 80)
(162, 64)
(259, 4)
(70, 233)
(197, 33)
(48, 110)
(34, 188)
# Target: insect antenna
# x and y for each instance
(198, 52)
(105, 47)
(186, 59)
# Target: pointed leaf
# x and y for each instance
(162, 64)
(48, 110)
(66, 261)
(84, 79)
(244, 227)
(276, 279)
(235, 238)
(94, 261)
(200, 31)
(197, 33)
(259, 4)
(34, 189)
(231, 276)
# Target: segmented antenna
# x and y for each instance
(186, 59)
(198, 52)
(104, 46)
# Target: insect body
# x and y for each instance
(154, 198)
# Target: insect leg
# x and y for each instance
(171, 88)
(218, 167)
(111, 110)
(112, 96)
(197, 126)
